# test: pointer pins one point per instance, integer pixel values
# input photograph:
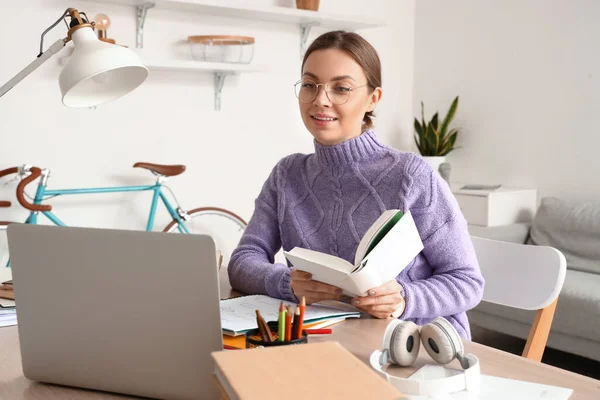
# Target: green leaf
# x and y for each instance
(449, 135)
(423, 124)
(435, 139)
(419, 141)
(435, 122)
(418, 128)
(450, 144)
(418, 145)
(431, 140)
(449, 116)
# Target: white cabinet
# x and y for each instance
(502, 206)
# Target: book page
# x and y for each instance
(324, 268)
(391, 255)
(368, 239)
(316, 257)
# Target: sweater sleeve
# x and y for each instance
(456, 284)
(251, 267)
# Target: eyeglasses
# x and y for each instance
(338, 92)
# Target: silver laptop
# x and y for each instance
(120, 311)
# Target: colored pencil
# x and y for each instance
(322, 331)
(261, 327)
(265, 328)
(301, 322)
(296, 326)
(288, 324)
(281, 321)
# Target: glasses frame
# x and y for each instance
(326, 86)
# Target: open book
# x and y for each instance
(389, 245)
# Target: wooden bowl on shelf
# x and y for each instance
(312, 5)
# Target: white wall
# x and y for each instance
(527, 73)
(170, 119)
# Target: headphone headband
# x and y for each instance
(440, 384)
(442, 342)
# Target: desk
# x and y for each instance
(360, 336)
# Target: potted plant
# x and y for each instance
(435, 140)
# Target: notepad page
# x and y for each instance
(238, 314)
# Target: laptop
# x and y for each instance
(129, 312)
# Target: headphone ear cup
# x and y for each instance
(404, 343)
(441, 340)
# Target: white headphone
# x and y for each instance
(401, 343)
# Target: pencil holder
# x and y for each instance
(254, 340)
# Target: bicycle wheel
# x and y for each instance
(225, 227)
(3, 245)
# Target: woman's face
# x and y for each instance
(327, 119)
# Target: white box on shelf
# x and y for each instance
(495, 207)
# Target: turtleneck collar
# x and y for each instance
(351, 151)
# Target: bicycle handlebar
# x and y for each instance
(5, 172)
(9, 171)
(35, 173)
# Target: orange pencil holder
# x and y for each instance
(254, 340)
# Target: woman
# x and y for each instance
(326, 201)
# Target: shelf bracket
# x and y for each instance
(142, 11)
(219, 78)
(304, 32)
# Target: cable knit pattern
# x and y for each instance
(338, 209)
(326, 201)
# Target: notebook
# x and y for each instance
(238, 315)
(324, 370)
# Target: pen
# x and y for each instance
(295, 328)
(288, 324)
(322, 331)
(281, 321)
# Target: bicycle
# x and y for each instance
(225, 236)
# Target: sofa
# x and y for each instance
(574, 229)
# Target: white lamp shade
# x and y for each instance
(98, 72)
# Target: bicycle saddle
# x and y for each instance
(165, 170)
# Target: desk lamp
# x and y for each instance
(96, 73)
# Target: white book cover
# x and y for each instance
(373, 266)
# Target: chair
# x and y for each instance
(525, 277)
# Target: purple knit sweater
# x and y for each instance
(327, 200)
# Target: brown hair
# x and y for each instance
(360, 50)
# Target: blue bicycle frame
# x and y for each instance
(156, 188)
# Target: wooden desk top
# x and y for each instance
(360, 336)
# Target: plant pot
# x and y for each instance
(307, 5)
(435, 162)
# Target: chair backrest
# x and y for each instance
(523, 276)
(518, 275)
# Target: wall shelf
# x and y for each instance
(219, 71)
(305, 19)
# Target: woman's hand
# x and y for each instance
(314, 291)
(381, 301)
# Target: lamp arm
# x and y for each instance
(62, 18)
(42, 58)
(78, 20)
